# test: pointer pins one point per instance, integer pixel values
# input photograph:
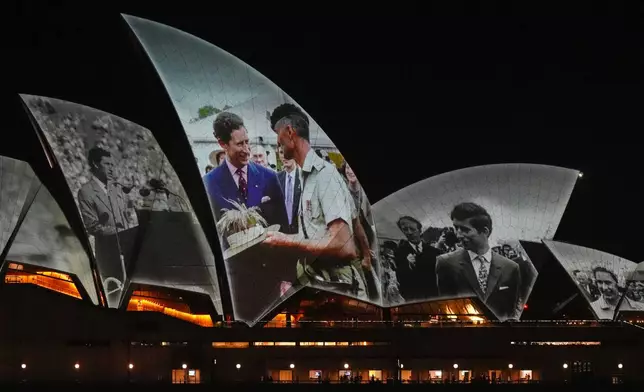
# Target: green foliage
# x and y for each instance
(239, 218)
(207, 111)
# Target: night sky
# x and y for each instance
(403, 96)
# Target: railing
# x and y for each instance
(353, 324)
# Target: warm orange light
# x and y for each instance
(149, 305)
(55, 281)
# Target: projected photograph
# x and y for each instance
(131, 202)
(45, 240)
(16, 180)
(458, 234)
(287, 217)
(604, 279)
(634, 296)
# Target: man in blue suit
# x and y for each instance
(241, 180)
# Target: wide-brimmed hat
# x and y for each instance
(212, 157)
(249, 242)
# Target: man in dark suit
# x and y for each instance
(256, 281)
(239, 179)
(415, 261)
(476, 270)
(291, 188)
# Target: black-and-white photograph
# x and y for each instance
(634, 295)
(457, 234)
(16, 178)
(276, 208)
(46, 240)
(126, 192)
(604, 279)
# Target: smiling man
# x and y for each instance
(239, 179)
(476, 270)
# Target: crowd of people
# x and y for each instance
(72, 130)
(457, 261)
(607, 289)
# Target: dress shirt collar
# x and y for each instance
(233, 169)
(487, 255)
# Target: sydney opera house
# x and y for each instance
(265, 260)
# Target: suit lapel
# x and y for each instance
(468, 271)
(493, 277)
(227, 184)
(254, 194)
(102, 196)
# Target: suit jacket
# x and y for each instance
(455, 276)
(416, 282)
(262, 183)
(93, 203)
(297, 192)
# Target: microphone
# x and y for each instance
(125, 188)
(158, 185)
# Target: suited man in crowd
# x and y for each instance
(107, 212)
(586, 284)
(475, 269)
(289, 179)
(239, 179)
(415, 261)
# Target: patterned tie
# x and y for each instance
(243, 186)
(483, 273)
(289, 198)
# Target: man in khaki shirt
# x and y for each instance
(325, 243)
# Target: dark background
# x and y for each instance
(404, 94)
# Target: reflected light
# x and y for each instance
(565, 366)
(346, 365)
(141, 304)
(456, 366)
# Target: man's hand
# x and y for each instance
(107, 230)
(367, 261)
(277, 239)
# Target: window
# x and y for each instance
(344, 373)
(311, 344)
(315, 374)
(405, 375)
(464, 375)
(376, 375)
(230, 344)
(525, 375)
(186, 376)
(435, 374)
(263, 344)
(285, 344)
(362, 343)
(286, 375)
